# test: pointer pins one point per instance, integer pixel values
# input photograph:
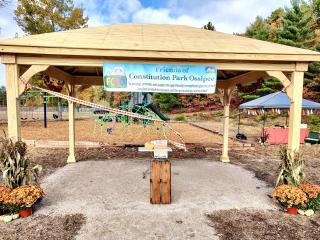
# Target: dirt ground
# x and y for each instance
(264, 224)
(88, 130)
(43, 227)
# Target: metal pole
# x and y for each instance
(239, 122)
(45, 110)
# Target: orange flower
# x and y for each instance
(289, 195)
(25, 196)
(312, 190)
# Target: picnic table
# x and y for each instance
(278, 135)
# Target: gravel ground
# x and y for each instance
(114, 198)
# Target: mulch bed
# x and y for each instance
(264, 162)
(42, 228)
(53, 158)
(264, 224)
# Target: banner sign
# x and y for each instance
(165, 78)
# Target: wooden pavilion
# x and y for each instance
(77, 56)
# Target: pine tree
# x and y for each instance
(297, 29)
(259, 29)
(294, 26)
(209, 26)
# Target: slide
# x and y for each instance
(156, 111)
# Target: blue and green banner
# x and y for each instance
(165, 78)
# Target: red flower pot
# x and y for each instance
(293, 211)
(25, 213)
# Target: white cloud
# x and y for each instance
(120, 10)
(150, 15)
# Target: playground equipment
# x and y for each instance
(179, 143)
(139, 103)
(31, 103)
(145, 99)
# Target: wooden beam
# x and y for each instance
(26, 76)
(98, 62)
(295, 112)
(13, 102)
(226, 99)
(59, 74)
(8, 59)
(302, 66)
(5, 49)
(72, 143)
(284, 80)
(245, 78)
(280, 76)
(87, 80)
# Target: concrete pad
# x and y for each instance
(115, 198)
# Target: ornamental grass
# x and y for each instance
(290, 196)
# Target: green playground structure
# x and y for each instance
(156, 111)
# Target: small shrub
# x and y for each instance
(314, 123)
(181, 118)
(202, 116)
(217, 114)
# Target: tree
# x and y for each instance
(259, 29)
(43, 16)
(297, 29)
(166, 101)
(294, 26)
(209, 26)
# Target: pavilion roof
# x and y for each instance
(152, 40)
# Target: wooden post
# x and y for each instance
(165, 182)
(160, 182)
(296, 90)
(155, 182)
(72, 156)
(13, 102)
(226, 98)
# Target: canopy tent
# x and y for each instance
(77, 56)
(277, 100)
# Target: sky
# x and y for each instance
(229, 16)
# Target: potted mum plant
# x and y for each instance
(290, 197)
(24, 197)
(313, 194)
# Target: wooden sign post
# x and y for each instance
(160, 182)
